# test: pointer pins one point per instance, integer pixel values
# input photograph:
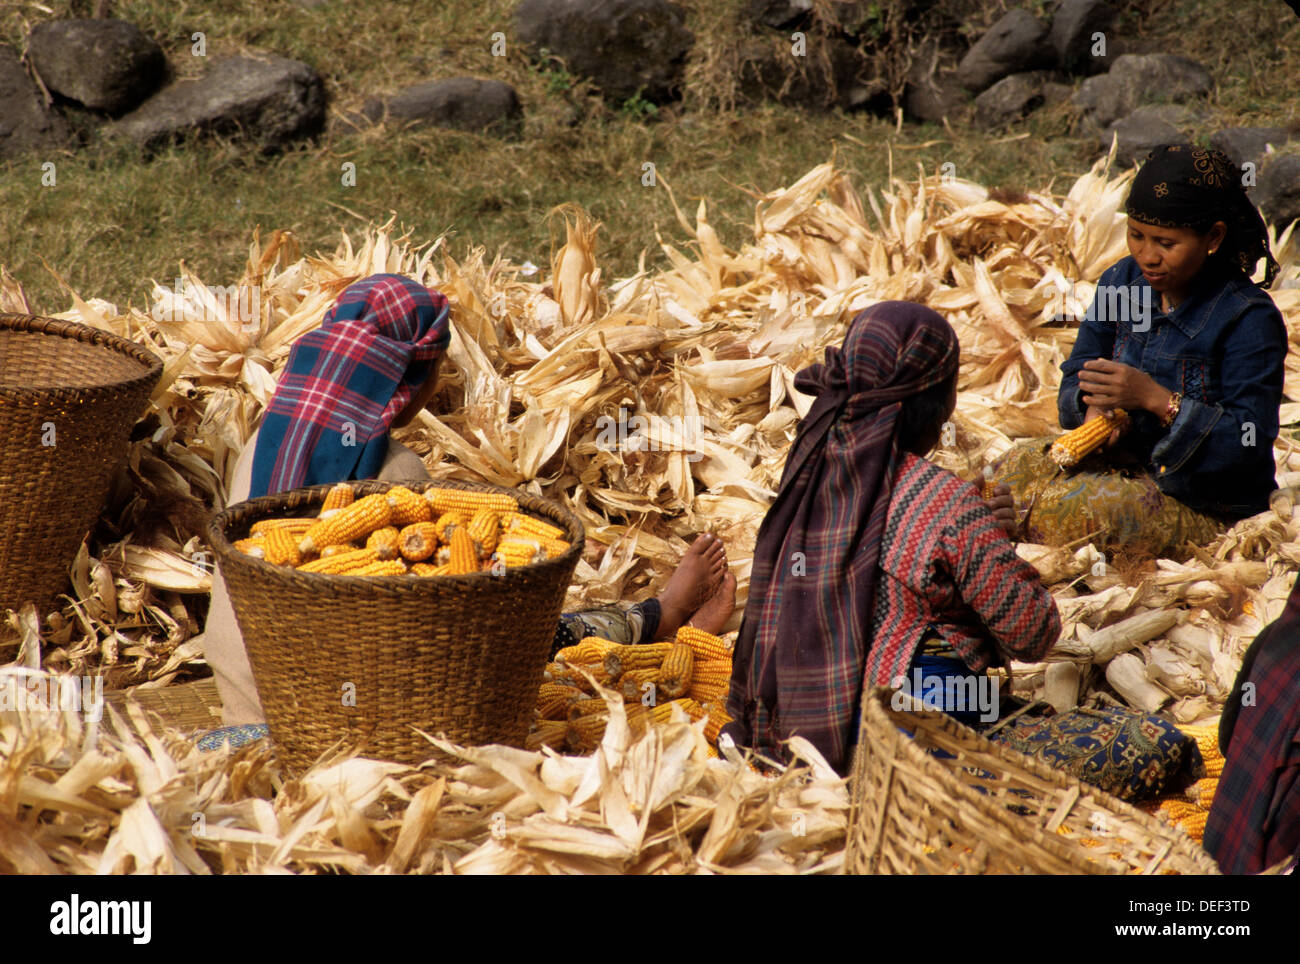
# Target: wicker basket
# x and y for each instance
(82, 390)
(987, 809)
(457, 655)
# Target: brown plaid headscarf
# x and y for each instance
(1191, 187)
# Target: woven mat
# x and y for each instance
(189, 707)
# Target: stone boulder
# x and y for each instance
(1146, 129)
(270, 101)
(1072, 30)
(779, 13)
(1016, 43)
(463, 103)
(26, 124)
(105, 65)
(1278, 190)
(1011, 98)
(1137, 79)
(1243, 144)
(625, 46)
(772, 72)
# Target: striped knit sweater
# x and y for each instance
(947, 567)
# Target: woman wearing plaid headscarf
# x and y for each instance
(371, 367)
(1182, 340)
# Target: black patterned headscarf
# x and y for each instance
(1191, 187)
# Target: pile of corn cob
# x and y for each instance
(692, 672)
(1191, 810)
(444, 532)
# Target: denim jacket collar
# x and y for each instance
(1197, 308)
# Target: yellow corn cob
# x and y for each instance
(388, 567)
(550, 733)
(518, 523)
(648, 656)
(584, 733)
(714, 694)
(448, 519)
(407, 506)
(986, 487)
(385, 543)
(632, 685)
(1088, 437)
(424, 569)
(552, 690)
(706, 645)
(469, 502)
(519, 553)
(588, 707)
(590, 649)
(253, 546)
(485, 530)
(675, 672)
(281, 547)
(418, 541)
(554, 548)
(263, 526)
(339, 497)
(556, 708)
(463, 559)
(338, 550)
(638, 717)
(717, 720)
(344, 562)
(355, 521)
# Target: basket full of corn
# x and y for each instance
(371, 611)
(69, 396)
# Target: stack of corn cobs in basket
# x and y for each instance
(444, 532)
(691, 673)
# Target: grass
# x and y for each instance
(115, 220)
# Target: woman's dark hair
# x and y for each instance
(922, 415)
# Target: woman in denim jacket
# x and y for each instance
(1181, 339)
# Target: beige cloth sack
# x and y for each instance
(222, 644)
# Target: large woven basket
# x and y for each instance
(987, 809)
(69, 396)
(457, 655)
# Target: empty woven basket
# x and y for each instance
(363, 662)
(69, 395)
(986, 809)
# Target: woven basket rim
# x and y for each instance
(61, 328)
(252, 510)
(875, 703)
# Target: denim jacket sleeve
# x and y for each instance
(1210, 437)
(1096, 339)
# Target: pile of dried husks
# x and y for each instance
(655, 406)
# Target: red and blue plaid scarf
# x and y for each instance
(800, 657)
(346, 381)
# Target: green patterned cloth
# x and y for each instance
(1115, 506)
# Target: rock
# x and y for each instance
(1278, 191)
(779, 13)
(1243, 144)
(107, 65)
(1147, 128)
(1011, 98)
(1015, 43)
(625, 46)
(1137, 79)
(464, 103)
(931, 99)
(771, 71)
(1071, 34)
(26, 124)
(1055, 92)
(271, 101)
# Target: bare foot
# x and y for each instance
(696, 578)
(717, 609)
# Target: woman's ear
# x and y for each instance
(1218, 231)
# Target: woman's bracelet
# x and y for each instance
(1172, 409)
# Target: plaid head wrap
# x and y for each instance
(346, 381)
(800, 657)
(1192, 187)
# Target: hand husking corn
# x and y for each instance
(1087, 438)
(399, 532)
(693, 672)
